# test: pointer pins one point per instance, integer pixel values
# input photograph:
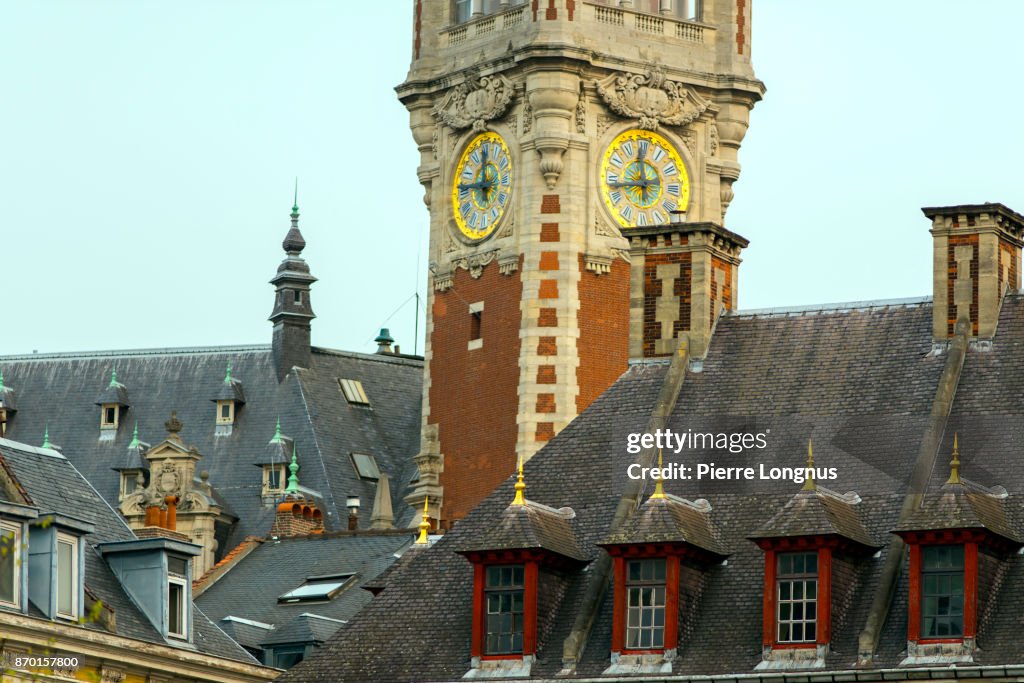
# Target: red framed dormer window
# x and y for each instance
(646, 598)
(797, 611)
(943, 591)
(505, 604)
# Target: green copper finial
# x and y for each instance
(2, 387)
(293, 478)
(295, 201)
(46, 437)
(277, 432)
(227, 375)
(135, 436)
(113, 377)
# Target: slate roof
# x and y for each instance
(669, 520)
(52, 484)
(531, 526)
(60, 390)
(818, 512)
(860, 380)
(963, 507)
(250, 588)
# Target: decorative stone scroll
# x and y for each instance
(475, 101)
(651, 98)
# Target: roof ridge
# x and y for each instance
(396, 358)
(844, 306)
(166, 351)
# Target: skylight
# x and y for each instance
(353, 390)
(316, 588)
(366, 466)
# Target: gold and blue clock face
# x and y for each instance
(482, 186)
(643, 179)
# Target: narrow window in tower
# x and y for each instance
(476, 315)
(298, 296)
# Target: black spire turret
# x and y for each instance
(293, 312)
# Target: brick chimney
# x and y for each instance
(683, 275)
(297, 517)
(976, 260)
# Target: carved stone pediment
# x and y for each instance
(475, 101)
(651, 98)
(167, 479)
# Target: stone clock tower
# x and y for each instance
(546, 131)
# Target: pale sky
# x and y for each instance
(148, 151)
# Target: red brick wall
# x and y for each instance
(603, 344)
(652, 290)
(1009, 257)
(474, 394)
(721, 291)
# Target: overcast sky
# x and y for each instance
(148, 151)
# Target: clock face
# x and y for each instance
(482, 186)
(643, 179)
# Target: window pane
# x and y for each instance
(8, 559)
(65, 578)
(505, 605)
(175, 608)
(942, 589)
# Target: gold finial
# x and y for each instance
(954, 464)
(809, 484)
(520, 485)
(659, 489)
(424, 524)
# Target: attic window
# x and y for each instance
(353, 390)
(505, 597)
(273, 477)
(316, 589)
(225, 412)
(797, 597)
(942, 591)
(366, 466)
(108, 416)
(10, 563)
(67, 576)
(3, 422)
(645, 604)
(177, 618)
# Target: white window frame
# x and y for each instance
(15, 551)
(183, 584)
(71, 541)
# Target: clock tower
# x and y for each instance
(548, 130)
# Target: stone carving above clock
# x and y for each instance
(651, 98)
(475, 101)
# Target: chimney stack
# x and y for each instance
(384, 341)
(976, 251)
(683, 275)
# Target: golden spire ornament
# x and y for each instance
(520, 499)
(659, 489)
(954, 464)
(424, 524)
(809, 484)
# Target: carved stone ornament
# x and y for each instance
(651, 98)
(168, 479)
(475, 263)
(475, 102)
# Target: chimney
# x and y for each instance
(297, 517)
(384, 341)
(353, 512)
(683, 276)
(976, 251)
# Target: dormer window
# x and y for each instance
(108, 416)
(67, 576)
(504, 594)
(796, 615)
(942, 591)
(273, 478)
(645, 604)
(225, 412)
(366, 466)
(353, 391)
(10, 564)
(3, 422)
(177, 597)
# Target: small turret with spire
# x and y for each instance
(293, 312)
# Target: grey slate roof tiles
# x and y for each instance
(59, 390)
(54, 485)
(859, 381)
